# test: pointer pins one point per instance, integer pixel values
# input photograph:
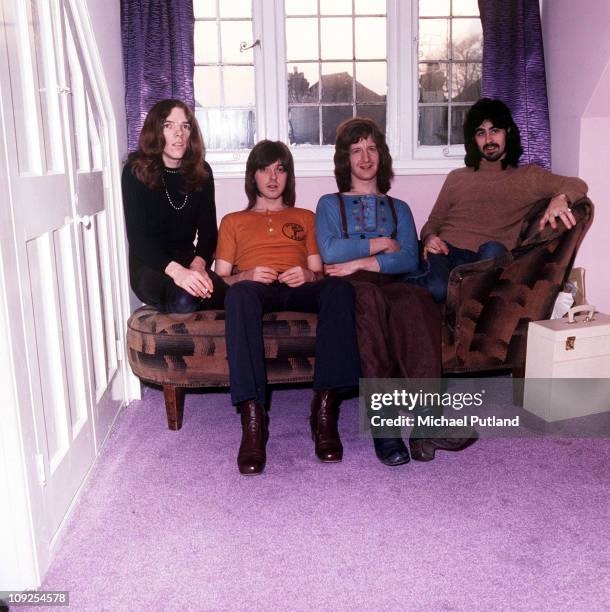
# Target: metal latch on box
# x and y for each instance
(590, 316)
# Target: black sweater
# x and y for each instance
(157, 232)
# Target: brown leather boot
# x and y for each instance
(323, 421)
(423, 449)
(255, 432)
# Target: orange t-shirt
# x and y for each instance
(278, 239)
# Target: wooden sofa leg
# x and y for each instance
(174, 405)
(518, 385)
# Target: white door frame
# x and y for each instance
(19, 564)
(25, 557)
(116, 218)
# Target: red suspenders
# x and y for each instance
(344, 218)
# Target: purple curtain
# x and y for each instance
(158, 56)
(513, 71)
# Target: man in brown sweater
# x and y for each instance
(480, 208)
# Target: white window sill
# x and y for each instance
(322, 167)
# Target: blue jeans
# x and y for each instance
(436, 278)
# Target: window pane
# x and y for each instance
(370, 7)
(301, 79)
(228, 129)
(371, 81)
(337, 82)
(450, 54)
(236, 8)
(232, 34)
(433, 39)
(466, 86)
(335, 7)
(376, 113)
(332, 116)
(437, 8)
(433, 82)
(239, 85)
(206, 82)
(303, 125)
(467, 40)
(336, 33)
(465, 7)
(204, 8)
(301, 39)
(301, 7)
(458, 115)
(433, 125)
(206, 42)
(371, 38)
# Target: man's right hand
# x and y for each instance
(433, 244)
(192, 281)
(260, 274)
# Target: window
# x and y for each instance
(336, 66)
(294, 69)
(223, 77)
(449, 66)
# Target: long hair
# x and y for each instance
(147, 160)
(350, 132)
(265, 153)
(499, 115)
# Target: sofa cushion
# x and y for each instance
(189, 350)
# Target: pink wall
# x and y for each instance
(577, 52)
(577, 49)
(418, 191)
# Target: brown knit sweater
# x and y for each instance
(474, 207)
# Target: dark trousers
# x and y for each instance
(440, 266)
(159, 290)
(337, 362)
(398, 326)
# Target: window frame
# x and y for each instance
(271, 94)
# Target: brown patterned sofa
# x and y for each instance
(488, 308)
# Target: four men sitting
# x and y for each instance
(353, 263)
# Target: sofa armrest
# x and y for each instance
(472, 281)
(531, 235)
(490, 302)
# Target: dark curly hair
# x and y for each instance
(147, 160)
(350, 132)
(499, 115)
(265, 153)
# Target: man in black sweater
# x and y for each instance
(168, 195)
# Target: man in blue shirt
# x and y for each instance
(370, 238)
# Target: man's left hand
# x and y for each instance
(297, 276)
(558, 208)
(342, 269)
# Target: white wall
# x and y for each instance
(577, 56)
(106, 24)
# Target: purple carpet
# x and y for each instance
(167, 522)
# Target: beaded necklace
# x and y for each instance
(186, 197)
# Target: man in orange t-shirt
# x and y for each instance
(269, 257)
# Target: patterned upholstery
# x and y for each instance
(189, 350)
(490, 303)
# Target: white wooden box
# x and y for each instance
(567, 368)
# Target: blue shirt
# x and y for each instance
(367, 217)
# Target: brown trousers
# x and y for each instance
(398, 326)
